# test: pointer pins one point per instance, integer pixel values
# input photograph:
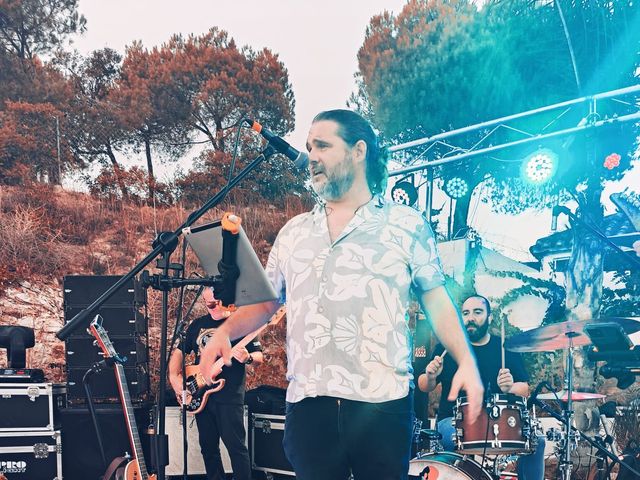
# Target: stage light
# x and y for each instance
(456, 187)
(540, 166)
(404, 193)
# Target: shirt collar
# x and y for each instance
(377, 201)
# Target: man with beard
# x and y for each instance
(512, 379)
(346, 271)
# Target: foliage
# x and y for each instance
(270, 181)
(94, 122)
(110, 183)
(32, 27)
(626, 426)
(224, 85)
(28, 148)
(51, 232)
(624, 299)
(468, 57)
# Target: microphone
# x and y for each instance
(300, 159)
(555, 213)
(554, 218)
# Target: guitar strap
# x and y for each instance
(113, 466)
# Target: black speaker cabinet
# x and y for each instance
(125, 321)
(104, 387)
(118, 321)
(81, 459)
(82, 290)
(83, 353)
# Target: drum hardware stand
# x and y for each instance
(593, 442)
(567, 414)
(602, 465)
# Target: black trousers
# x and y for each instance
(226, 421)
(327, 438)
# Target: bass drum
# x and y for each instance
(446, 466)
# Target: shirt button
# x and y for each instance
(324, 279)
(320, 309)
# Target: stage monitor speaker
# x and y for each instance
(81, 458)
(82, 290)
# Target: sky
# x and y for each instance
(318, 42)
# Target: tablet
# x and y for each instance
(252, 285)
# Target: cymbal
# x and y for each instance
(575, 396)
(562, 335)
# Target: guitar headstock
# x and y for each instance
(279, 315)
(102, 339)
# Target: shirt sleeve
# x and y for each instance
(426, 269)
(254, 346)
(274, 272)
(187, 345)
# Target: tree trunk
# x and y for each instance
(117, 171)
(461, 211)
(584, 275)
(584, 278)
(151, 180)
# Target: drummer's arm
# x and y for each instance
(507, 385)
(426, 382)
(520, 388)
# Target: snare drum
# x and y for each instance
(446, 466)
(503, 427)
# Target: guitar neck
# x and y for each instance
(132, 428)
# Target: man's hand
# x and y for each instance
(176, 384)
(505, 380)
(435, 367)
(241, 354)
(218, 346)
(467, 378)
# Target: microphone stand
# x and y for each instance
(180, 332)
(164, 245)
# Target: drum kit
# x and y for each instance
(508, 426)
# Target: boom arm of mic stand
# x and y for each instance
(163, 245)
(599, 234)
(591, 441)
(168, 241)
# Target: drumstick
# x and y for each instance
(502, 340)
(443, 354)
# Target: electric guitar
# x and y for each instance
(197, 386)
(136, 469)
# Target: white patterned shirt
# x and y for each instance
(347, 301)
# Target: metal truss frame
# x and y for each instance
(419, 161)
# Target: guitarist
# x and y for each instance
(222, 416)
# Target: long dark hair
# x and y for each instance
(353, 128)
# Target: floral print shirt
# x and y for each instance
(347, 301)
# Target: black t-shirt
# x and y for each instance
(199, 331)
(489, 358)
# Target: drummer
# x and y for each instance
(512, 379)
